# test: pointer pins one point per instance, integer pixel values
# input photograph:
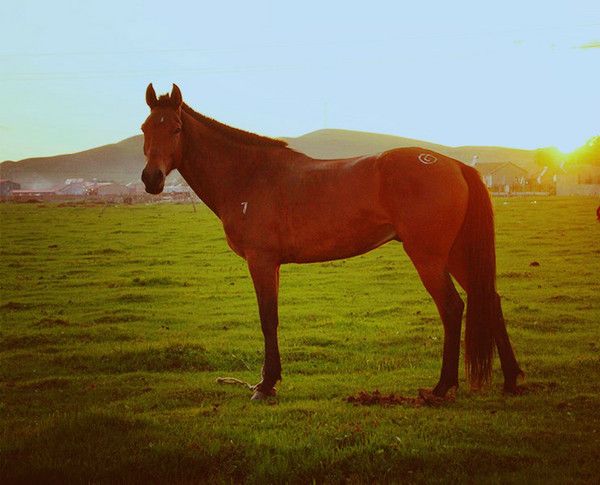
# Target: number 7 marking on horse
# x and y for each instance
(244, 207)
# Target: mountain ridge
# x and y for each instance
(123, 161)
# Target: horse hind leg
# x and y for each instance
(510, 368)
(438, 283)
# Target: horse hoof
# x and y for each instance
(514, 390)
(429, 398)
(259, 396)
(511, 387)
(443, 391)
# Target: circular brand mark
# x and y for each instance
(427, 158)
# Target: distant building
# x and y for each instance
(177, 189)
(74, 187)
(544, 179)
(82, 188)
(136, 187)
(32, 194)
(104, 189)
(502, 176)
(7, 187)
(579, 180)
(73, 181)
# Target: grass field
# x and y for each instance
(115, 323)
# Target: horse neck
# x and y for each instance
(213, 165)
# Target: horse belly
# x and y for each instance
(325, 239)
(337, 214)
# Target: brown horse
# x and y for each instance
(279, 206)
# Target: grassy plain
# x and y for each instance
(116, 321)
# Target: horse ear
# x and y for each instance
(176, 98)
(151, 96)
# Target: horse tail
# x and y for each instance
(477, 235)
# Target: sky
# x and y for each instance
(511, 73)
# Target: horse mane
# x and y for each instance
(241, 136)
(235, 134)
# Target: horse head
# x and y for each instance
(162, 138)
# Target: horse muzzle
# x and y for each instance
(154, 180)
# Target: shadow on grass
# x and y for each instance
(134, 298)
(184, 357)
(100, 447)
(118, 317)
(172, 358)
(15, 306)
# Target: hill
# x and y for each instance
(123, 161)
(331, 143)
(120, 162)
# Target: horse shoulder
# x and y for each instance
(252, 223)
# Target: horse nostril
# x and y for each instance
(154, 180)
(152, 177)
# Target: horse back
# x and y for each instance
(330, 209)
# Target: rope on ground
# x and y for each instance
(233, 380)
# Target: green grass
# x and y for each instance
(116, 322)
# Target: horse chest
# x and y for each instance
(249, 230)
(234, 244)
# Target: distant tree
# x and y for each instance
(550, 157)
(588, 154)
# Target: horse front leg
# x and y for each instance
(265, 276)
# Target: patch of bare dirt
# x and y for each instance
(376, 398)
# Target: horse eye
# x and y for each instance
(177, 130)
